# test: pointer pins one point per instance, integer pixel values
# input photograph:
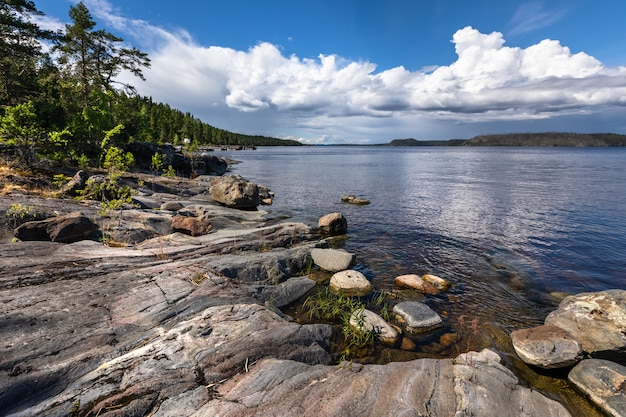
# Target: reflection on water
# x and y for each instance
(508, 226)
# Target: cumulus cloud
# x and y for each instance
(260, 90)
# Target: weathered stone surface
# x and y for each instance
(287, 292)
(235, 191)
(475, 385)
(368, 321)
(597, 320)
(75, 185)
(352, 199)
(417, 316)
(332, 260)
(350, 283)
(333, 224)
(547, 347)
(604, 382)
(65, 229)
(193, 226)
(416, 283)
(171, 206)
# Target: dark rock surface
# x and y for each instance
(69, 228)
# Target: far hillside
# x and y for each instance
(525, 139)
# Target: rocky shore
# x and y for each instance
(175, 307)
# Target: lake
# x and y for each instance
(512, 228)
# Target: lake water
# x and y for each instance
(509, 227)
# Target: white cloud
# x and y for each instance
(532, 16)
(262, 91)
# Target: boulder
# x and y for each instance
(333, 224)
(417, 317)
(597, 320)
(192, 226)
(332, 260)
(350, 283)
(234, 191)
(69, 228)
(416, 283)
(603, 382)
(546, 347)
(368, 321)
(74, 187)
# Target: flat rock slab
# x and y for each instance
(350, 283)
(332, 260)
(417, 316)
(597, 320)
(603, 382)
(368, 321)
(288, 292)
(547, 347)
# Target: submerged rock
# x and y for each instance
(416, 283)
(333, 224)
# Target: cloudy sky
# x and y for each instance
(369, 71)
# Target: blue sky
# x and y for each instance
(369, 71)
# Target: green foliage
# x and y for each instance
(59, 180)
(327, 306)
(19, 214)
(169, 172)
(158, 161)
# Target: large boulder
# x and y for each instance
(417, 317)
(235, 191)
(193, 226)
(332, 260)
(333, 224)
(603, 382)
(597, 320)
(546, 347)
(350, 283)
(69, 228)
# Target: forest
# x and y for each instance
(60, 98)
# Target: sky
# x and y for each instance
(370, 71)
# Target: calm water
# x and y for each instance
(507, 226)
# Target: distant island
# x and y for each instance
(524, 139)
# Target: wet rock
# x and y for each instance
(350, 283)
(352, 199)
(416, 283)
(417, 317)
(437, 282)
(368, 321)
(546, 347)
(68, 228)
(333, 224)
(332, 260)
(234, 191)
(604, 382)
(597, 320)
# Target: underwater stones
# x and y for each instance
(366, 320)
(417, 316)
(332, 260)
(416, 283)
(352, 199)
(350, 283)
(546, 347)
(437, 282)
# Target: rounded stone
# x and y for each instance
(417, 316)
(416, 283)
(332, 260)
(171, 206)
(435, 281)
(333, 224)
(546, 347)
(350, 283)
